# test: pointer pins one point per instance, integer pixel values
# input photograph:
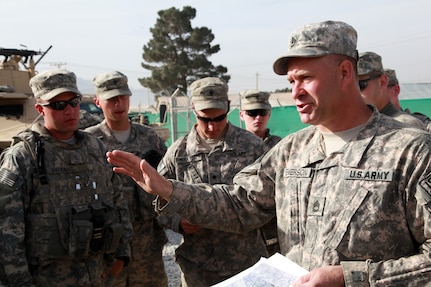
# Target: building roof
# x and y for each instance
(415, 91)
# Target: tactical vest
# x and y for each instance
(71, 213)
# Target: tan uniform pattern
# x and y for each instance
(366, 207)
(41, 241)
(209, 256)
(147, 267)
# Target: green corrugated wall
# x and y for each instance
(285, 120)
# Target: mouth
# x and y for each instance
(302, 108)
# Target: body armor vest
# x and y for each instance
(72, 214)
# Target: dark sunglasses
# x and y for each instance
(61, 105)
(254, 113)
(364, 83)
(214, 120)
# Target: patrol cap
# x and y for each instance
(49, 84)
(319, 39)
(111, 84)
(392, 76)
(254, 100)
(368, 63)
(209, 93)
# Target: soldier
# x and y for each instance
(373, 84)
(60, 213)
(255, 112)
(212, 152)
(352, 192)
(117, 132)
(393, 92)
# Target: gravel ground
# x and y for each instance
(172, 269)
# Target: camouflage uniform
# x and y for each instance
(271, 140)
(146, 267)
(424, 118)
(259, 100)
(46, 230)
(360, 208)
(365, 207)
(209, 256)
(269, 230)
(393, 81)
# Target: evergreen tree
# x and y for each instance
(178, 54)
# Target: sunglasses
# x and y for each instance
(364, 83)
(213, 120)
(61, 105)
(255, 113)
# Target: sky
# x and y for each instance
(90, 37)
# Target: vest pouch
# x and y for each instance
(81, 230)
(80, 236)
(112, 236)
(98, 218)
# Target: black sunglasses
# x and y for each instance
(61, 105)
(364, 83)
(214, 120)
(254, 113)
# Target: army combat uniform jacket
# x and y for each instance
(149, 237)
(60, 213)
(270, 140)
(212, 250)
(366, 206)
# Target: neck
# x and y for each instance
(261, 133)
(118, 125)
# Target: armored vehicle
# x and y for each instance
(17, 110)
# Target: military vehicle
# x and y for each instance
(17, 102)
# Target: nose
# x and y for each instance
(296, 91)
(211, 126)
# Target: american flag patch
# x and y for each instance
(7, 178)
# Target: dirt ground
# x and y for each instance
(172, 269)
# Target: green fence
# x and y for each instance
(284, 120)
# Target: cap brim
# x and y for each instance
(280, 65)
(256, 106)
(114, 93)
(203, 105)
(52, 94)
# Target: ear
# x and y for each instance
(96, 101)
(346, 70)
(384, 81)
(39, 109)
(397, 89)
(241, 115)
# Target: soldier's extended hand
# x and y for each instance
(141, 172)
(331, 276)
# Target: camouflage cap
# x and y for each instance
(209, 93)
(254, 100)
(392, 76)
(319, 39)
(49, 84)
(111, 84)
(368, 63)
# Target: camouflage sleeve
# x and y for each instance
(124, 249)
(406, 271)
(14, 269)
(166, 168)
(238, 208)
